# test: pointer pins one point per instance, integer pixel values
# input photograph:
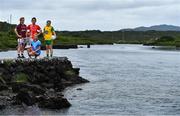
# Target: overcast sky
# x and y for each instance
(93, 14)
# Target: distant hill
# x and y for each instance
(163, 27)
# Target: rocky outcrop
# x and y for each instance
(37, 81)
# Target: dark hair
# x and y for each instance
(34, 18)
(21, 18)
(48, 21)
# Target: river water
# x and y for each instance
(124, 80)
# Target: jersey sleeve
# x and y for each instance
(38, 28)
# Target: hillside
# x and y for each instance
(163, 27)
(8, 37)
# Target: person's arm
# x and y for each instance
(39, 33)
(39, 48)
(43, 32)
(28, 30)
(15, 30)
(53, 31)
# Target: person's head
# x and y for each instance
(22, 19)
(35, 38)
(48, 23)
(34, 20)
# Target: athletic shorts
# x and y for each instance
(48, 42)
(20, 41)
(27, 42)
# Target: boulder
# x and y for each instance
(37, 89)
(53, 102)
(25, 97)
(37, 81)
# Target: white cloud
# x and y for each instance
(93, 14)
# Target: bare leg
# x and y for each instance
(51, 50)
(19, 50)
(47, 50)
(22, 50)
(29, 51)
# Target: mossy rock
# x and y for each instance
(21, 78)
(70, 73)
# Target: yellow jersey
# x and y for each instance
(48, 32)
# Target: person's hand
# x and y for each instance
(33, 52)
(36, 36)
(19, 36)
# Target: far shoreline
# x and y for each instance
(71, 46)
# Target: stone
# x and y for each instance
(2, 106)
(79, 89)
(54, 103)
(3, 87)
(37, 81)
(16, 87)
(24, 97)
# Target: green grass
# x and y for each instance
(21, 78)
(165, 41)
(8, 40)
(80, 40)
(70, 73)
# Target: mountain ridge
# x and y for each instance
(162, 27)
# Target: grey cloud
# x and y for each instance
(94, 14)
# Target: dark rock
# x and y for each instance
(16, 87)
(54, 103)
(76, 70)
(47, 85)
(2, 106)
(79, 89)
(37, 81)
(24, 97)
(3, 87)
(88, 46)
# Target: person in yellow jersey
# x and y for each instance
(49, 35)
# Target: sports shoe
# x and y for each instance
(22, 56)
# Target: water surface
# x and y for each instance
(125, 80)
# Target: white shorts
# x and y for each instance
(27, 42)
(20, 41)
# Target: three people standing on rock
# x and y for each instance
(28, 38)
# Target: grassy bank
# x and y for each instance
(165, 41)
(8, 38)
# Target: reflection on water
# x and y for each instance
(125, 79)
